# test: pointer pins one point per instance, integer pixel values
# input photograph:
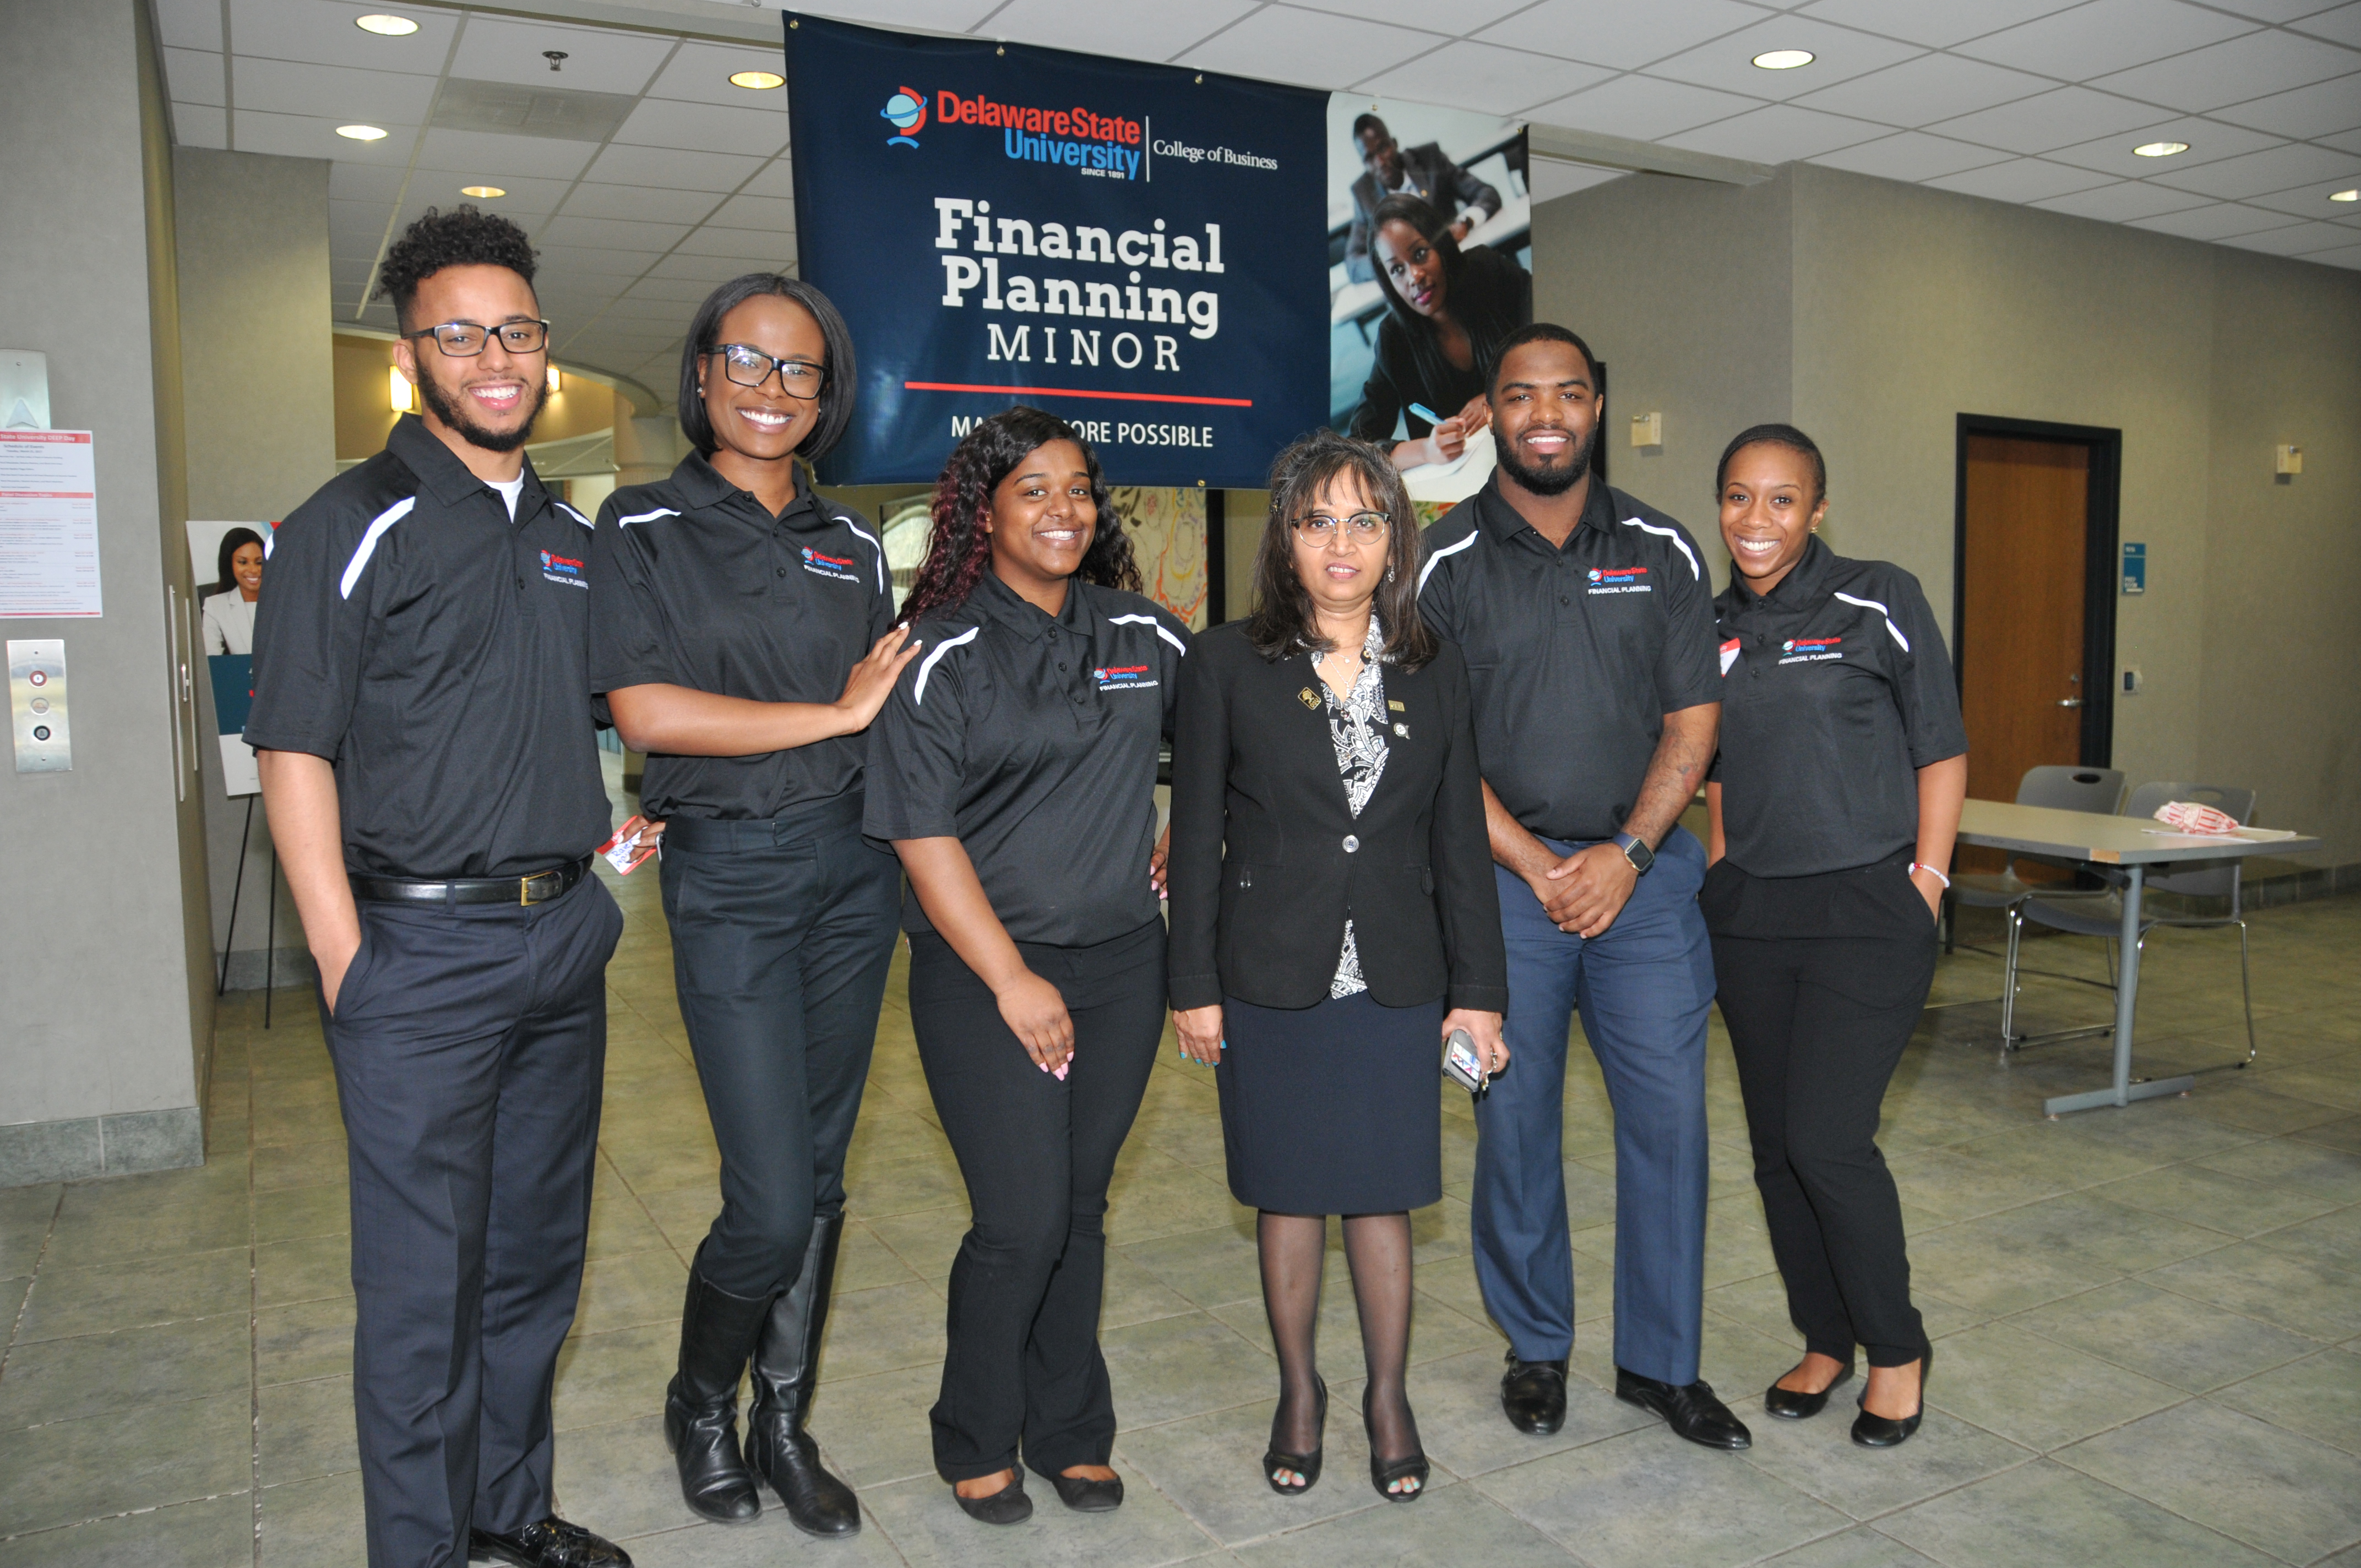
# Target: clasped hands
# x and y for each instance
(1584, 893)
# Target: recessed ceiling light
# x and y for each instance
(2344, 196)
(391, 27)
(2159, 148)
(757, 81)
(362, 133)
(482, 192)
(1783, 59)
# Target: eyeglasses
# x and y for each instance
(751, 368)
(1359, 527)
(465, 340)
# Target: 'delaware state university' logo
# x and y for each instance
(907, 113)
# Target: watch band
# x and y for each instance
(1645, 858)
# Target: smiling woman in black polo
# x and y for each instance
(1834, 804)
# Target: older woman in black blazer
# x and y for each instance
(1332, 897)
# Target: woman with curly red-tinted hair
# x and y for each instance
(1013, 770)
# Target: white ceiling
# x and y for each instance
(2035, 102)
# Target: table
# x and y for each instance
(2128, 844)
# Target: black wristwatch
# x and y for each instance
(1635, 850)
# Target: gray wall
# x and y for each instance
(253, 261)
(108, 1011)
(1873, 313)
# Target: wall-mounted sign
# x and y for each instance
(2135, 569)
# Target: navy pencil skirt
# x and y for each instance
(1333, 1109)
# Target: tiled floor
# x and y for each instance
(2149, 1321)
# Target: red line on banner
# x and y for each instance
(1074, 392)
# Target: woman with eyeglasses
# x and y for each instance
(742, 634)
(1334, 921)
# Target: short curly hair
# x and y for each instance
(464, 236)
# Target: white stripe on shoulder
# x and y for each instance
(576, 516)
(873, 545)
(1678, 543)
(269, 539)
(1162, 630)
(646, 517)
(367, 546)
(927, 664)
(1436, 559)
(1873, 604)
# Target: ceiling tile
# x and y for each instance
(2234, 72)
(2105, 35)
(199, 124)
(1912, 155)
(2299, 239)
(1643, 108)
(767, 213)
(491, 153)
(603, 266)
(311, 135)
(1838, 55)
(190, 24)
(2209, 141)
(2020, 180)
(598, 59)
(700, 73)
(1549, 179)
(673, 166)
(2318, 110)
(349, 181)
(1609, 32)
(748, 251)
(935, 15)
(1938, 23)
(2349, 257)
(2342, 25)
(342, 92)
(2220, 220)
(2312, 200)
(2122, 201)
(665, 122)
(686, 275)
(2348, 140)
(1126, 32)
(2260, 173)
(1779, 133)
(1931, 87)
(322, 32)
(647, 204)
(777, 178)
(621, 231)
(524, 193)
(2067, 117)
(2269, 10)
(194, 76)
(1485, 78)
(1280, 43)
(650, 315)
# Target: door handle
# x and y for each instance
(2070, 701)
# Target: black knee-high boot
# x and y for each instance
(718, 1332)
(787, 1366)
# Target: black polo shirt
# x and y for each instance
(1574, 653)
(432, 649)
(1034, 742)
(699, 585)
(1836, 690)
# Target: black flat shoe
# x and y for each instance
(1692, 1412)
(1305, 1464)
(1792, 1405)
(1008, 1506)
(547, 1544)
(1877, 1432)
(1383, 1473)
(1532, 1394)
(1086, 1495)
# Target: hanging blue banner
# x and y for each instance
(1140, 249)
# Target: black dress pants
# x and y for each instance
(1023, 1369)
(470, 1043)
(1822, 980)
(782, 933)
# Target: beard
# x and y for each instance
(1547, 481)
(448, 411)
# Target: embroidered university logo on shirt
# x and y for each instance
(1620, 580)
(1124, 677)
(564, 569)
(1810, 650)
(839, 567)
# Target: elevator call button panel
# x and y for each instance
(36, 701)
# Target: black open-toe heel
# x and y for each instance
(1306, 1464)
(1877, 1432)
(1384, 1473)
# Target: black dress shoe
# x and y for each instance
(1877, 1432)
(1008, 1506)
(1384, 1473)
(1086, 1495)
(1792, 1405)
(1534, 1395)
(547, 1544)
(1692, 1412)
(1274, 1459)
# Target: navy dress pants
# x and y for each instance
(469, 1042)
(1643, 987)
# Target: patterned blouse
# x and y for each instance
(1357, 726)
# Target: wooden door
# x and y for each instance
(2023, 556)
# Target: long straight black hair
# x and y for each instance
(1282, 623)
(1469, 294)
(838, 382)
(232, 542)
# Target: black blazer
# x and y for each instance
(1261, 882)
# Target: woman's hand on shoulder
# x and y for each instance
(1484, 1028)
(1199, 1029)
(871, 680)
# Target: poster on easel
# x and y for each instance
(226, 562)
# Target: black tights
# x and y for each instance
(1377, 1246)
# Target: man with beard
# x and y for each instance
(422, 715)
(1587, 623)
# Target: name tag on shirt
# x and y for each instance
(1728, 655)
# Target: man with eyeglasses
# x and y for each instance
(424, 726)
(1424, 171)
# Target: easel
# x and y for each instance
(271, 922)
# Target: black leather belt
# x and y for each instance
(538, 888)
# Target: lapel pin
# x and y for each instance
(1305, 698)
(1402, 730)
(1395, 706)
